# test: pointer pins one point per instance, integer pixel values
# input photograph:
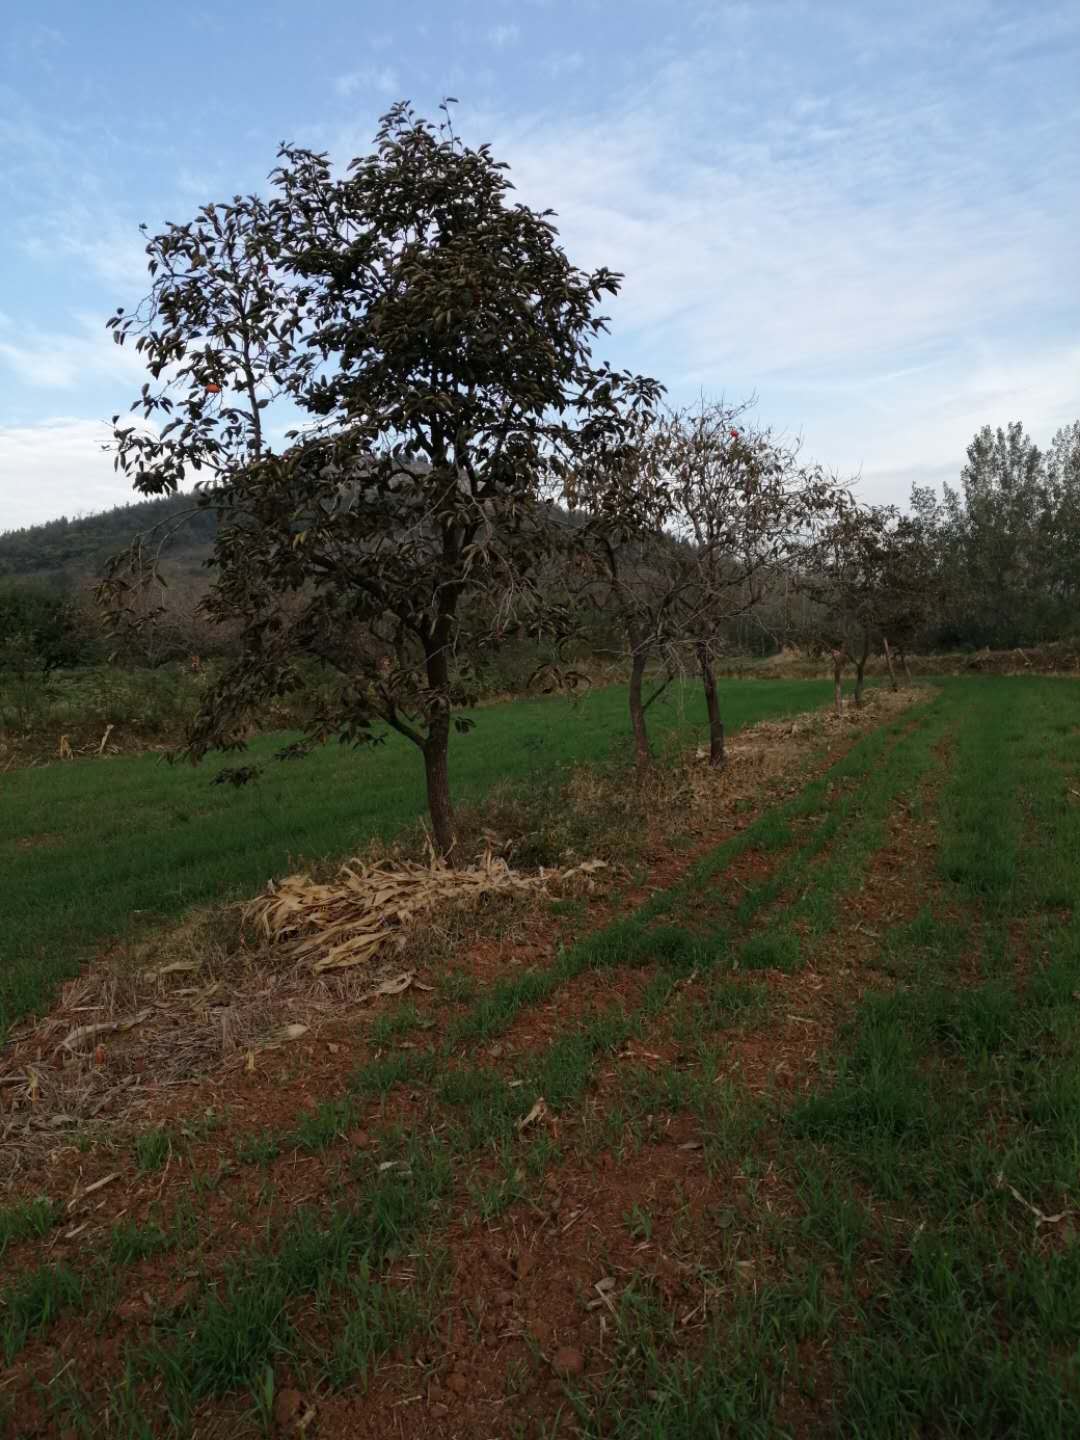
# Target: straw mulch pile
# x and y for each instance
(368, 908)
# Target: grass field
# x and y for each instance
(807, 1162)
(94, 851)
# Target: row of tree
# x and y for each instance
(460, 472)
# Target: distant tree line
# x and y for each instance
(1006, 542)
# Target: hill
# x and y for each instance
(64, 552)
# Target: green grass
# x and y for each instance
(369, 1319)
(485, 1108)
(250, 1313)
(33, 1301)
(394, 1023)
(773, 949)
(898, 1283)
(948, 1108)
(152, 1149)
(96, 851)
(130, 1242)
(244, 1323)
(322, 1126)
(26, 1220)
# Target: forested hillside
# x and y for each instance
(66, 552)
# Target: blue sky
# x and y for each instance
(867, 213)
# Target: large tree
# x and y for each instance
(1005, 542)
(435, 343)
(1059, 531)
(909, 583)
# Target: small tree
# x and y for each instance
(839, 573)
(909, 585)
(436, 342)
(620, 545)
(745, 507)
(41, 629)
(689, 532)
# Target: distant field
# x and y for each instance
(92, 850)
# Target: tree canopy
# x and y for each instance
(381, 382)
(436, 342)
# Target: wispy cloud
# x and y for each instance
(62, 469)
(503, 35)
(568, 63)
(915, 430)
(65, 361)
(383, 79)
(112, 251)
(197, 184)
(33, 43)
(830, 233)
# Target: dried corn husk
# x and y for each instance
(367, 907)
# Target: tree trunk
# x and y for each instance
(642, 752)
(903, 661)
(889, 662)
(838, 684)
(860, 668)
(437, 744)
(437, 774)
(712, 705)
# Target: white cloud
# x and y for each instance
(826, 241)
(566, 64)
(34, 44)
(56, 361)
(915, 430)
(381, 78)
(503, 35)
(196, 184)
(57, 468)
(772, 266)
(113, 251)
